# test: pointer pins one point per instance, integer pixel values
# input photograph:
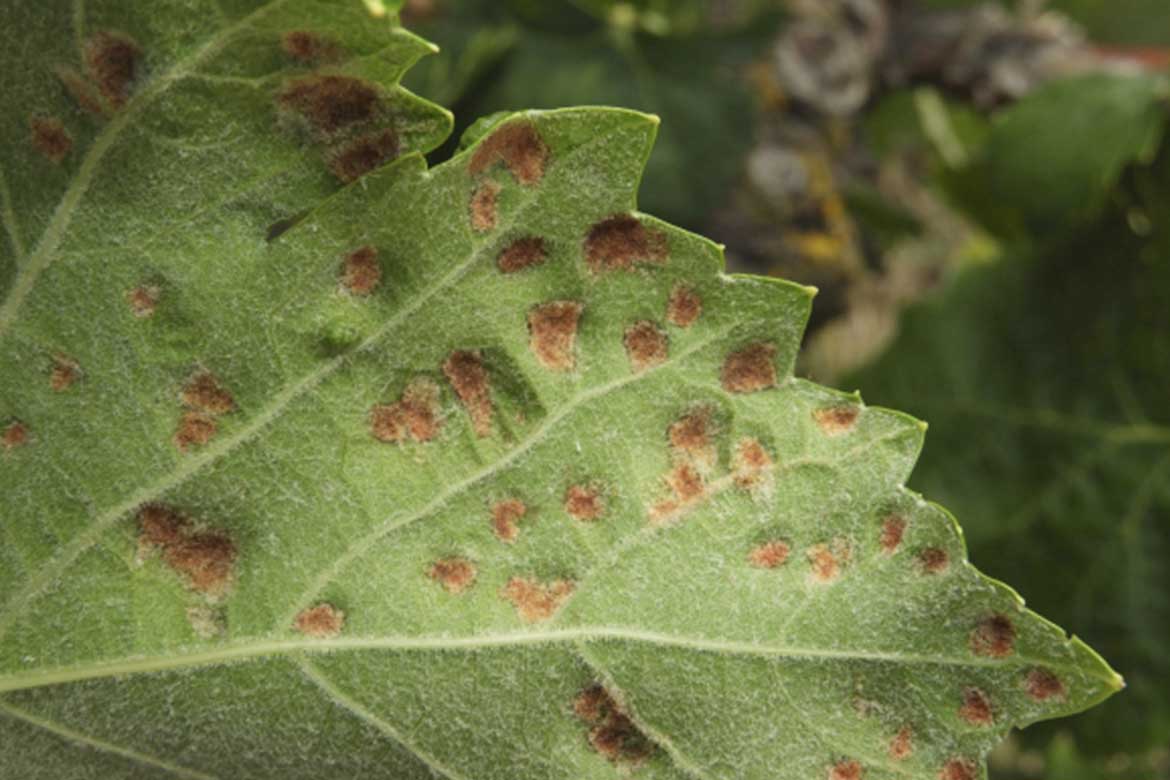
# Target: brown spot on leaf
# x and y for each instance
(361, 272)
(15, 435)
(958, 769)
(683, 307)
(611, 732)
(1043, 685)
(584, 502)
(976, 708)
(506, 516)
(205, 558)
(50, 138)
(143, 300)
(204, 393)
(111, 61)
(82, 92)
(618, 242)
(323, 621)
(454, 574)
(309, 48)
(519, 146)
(749, 369)
(467, 375)
(690, 434)
(483, 205)
(415, 416)
(995, 636)
(686, 482)
(331, 103)
(836, 420)
(827, 560)
(769, 555)
(893, 529)
(363, 154)
(63, 374)
(522, 253)
(846, 770)
(934, 560)
(902, 745)
(750, 464)
(536, 601)
(195, 429)
(552, 331)
(645, 345)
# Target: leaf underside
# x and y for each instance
(466, 472)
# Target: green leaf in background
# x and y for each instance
(468, 472)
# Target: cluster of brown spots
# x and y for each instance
(15, 435)
(995, 636)
(415, 416)
(934, 560)
(893, 529)
(63, 374)
(769, 555)
(683, 307)
(584, 502)
(827, 560)
(521, 253)
(82, 92)
(204, 393)
(902, 745)
(322, 621)
(519, 146)
(205, 558)
(309, 47)
(331, 103)
(846, 770)
(645, 345)
(976, 708)
(454, 574)
(111, 61)
(1043, 685)
(836, 420)
(611, 732)
(361, 273)
(616, 243)
(686, 482)
(195, 429)
(535, 601)
(50, 138)
(958, 769)
(749, 369)
(751, 464)
(143, 300)
(483, 205)
(465, 371)
(506, 516)
(356, 158)
(552, 333)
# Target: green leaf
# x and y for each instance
(466, 472)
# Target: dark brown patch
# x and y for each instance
(827, 560)
(958, 769)
(976, 708)
(836, 420)
(454, 574)
(552, 331)
(751, 463)
(584, 502)
(690, 434)
(15, 435)
(645, 345)
(195, 429)
(506, 516)
(143, 300)
(618, 242)
(934, 560)
(769, 555)
(686, 482)
(1043, 685)
(64, 374)
(846, 770)
(361, 272)
(893, 529)
(111, 61)
(464, 370)
(82, 92)
(363, 154)
(205, 558)
(204, 393)
(902, 745)
(611, 732)
(323, 621)
(995, 636)
(683, 307)
(309, 48)
(50, 138)
(519, 146)
(749, 369)
(521, 253)
(483, 206)
(535, 601)
(331, 103)
(415, 416)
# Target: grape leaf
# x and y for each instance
(473, 471)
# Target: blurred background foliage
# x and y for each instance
(981, 191)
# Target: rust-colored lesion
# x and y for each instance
(204, 557)
(612, 733)
(537, 601)
(414, 417)
(518, 145)
(552, 333)
(750, 369)
(621, 241)
(468, 375)
(320, 621)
